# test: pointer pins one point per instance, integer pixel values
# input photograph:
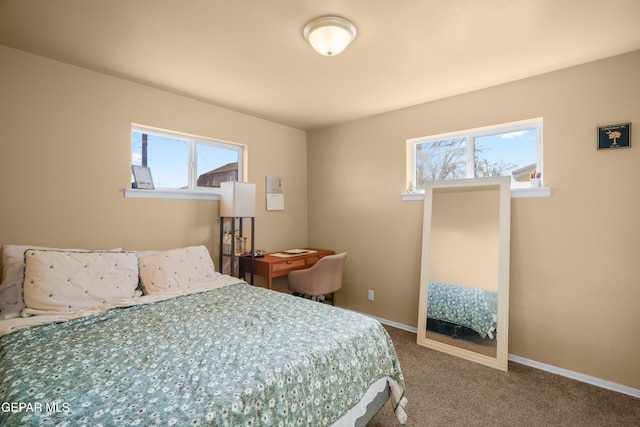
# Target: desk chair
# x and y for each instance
(322, 278)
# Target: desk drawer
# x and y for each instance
(310, 260)
(286, 265)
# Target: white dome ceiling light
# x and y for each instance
(329, 35)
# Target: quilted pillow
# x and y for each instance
(11, 302)
(62, 281)
(176, 268)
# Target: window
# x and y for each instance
(513, 149)
(185, 163)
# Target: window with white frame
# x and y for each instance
(183, 162)
(512, 149)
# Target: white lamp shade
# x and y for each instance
(237, 199)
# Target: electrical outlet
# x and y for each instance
(370, 295)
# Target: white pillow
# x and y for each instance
(176, 268)
(11, 297)
(11, 301)
(64, 281)
(142, 254)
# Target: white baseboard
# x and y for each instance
(394, 324)
(576, 376)
(542, 366)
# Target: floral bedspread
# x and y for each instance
(234, 356)
(476, 309)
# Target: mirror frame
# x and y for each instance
(503, 184)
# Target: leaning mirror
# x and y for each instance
(464, 280)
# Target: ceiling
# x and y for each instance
(250, 55)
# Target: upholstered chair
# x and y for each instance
(322, 278)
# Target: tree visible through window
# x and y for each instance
(514, 150)
(442, 159)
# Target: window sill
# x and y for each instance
(137, 193)
(516, 193)
(529, 193)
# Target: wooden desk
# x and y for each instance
(270, 266)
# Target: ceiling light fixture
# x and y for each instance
(329, 35)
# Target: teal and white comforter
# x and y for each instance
(234, 356)
(473, 308)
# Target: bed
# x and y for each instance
(472, 308)
(193, 348)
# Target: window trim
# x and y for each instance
(516, 193)
(168, 193)
(193, 192)
(519, 190)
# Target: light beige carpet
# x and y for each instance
(444, 390)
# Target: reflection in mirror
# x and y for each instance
(465, 269)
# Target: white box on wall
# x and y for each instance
(237, 199)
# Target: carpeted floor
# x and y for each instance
(444, 390)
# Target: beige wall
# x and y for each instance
(65, 159)
(575, 281)
(465, 238)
